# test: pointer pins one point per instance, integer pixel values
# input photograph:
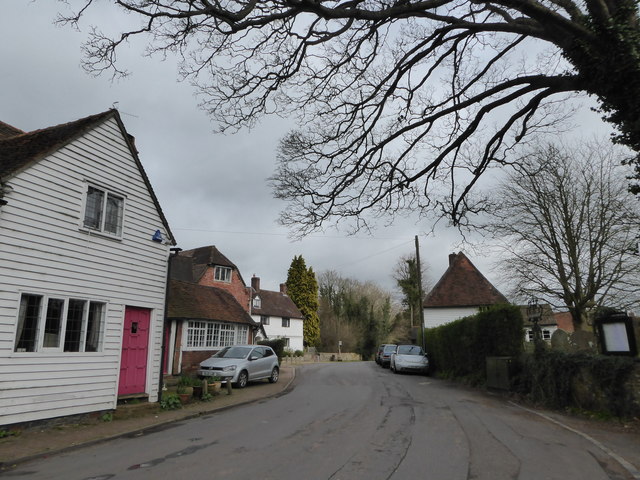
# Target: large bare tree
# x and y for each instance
(402, 104)
(569, 229)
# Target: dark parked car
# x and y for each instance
(385, 356)
(379, 352)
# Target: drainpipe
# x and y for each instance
(173, 251)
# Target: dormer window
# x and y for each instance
(222, 274)
(103, 211)
(257, 303)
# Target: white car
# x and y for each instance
(241, 364)
(409, 358)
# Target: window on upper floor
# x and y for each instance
(103, 211)
(264, 319)
(59, 324)
(286, 322)
(257, 303)
(222, 274)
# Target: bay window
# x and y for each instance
(207, 334)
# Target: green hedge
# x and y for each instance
(278, 346)
(459, 349)
(582, 381)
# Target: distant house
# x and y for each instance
(278, 315)
(547, 323)
(208, 309)
(82, 271)
(461, 291)
(209, 267)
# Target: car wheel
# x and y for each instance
(243, 378)
(274, 375)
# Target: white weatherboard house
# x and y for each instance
(83, 263)
(278, 315)
(461, 291)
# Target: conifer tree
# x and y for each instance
(302, 287)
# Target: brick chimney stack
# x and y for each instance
(452, 258)
(255, 283)
(283, 288)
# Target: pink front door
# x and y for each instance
(135, 347)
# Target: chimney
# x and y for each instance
(132, 139)
(283, 288)
(255, 283)
(452, 258)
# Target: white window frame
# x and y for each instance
(242, 334)
(107, 194)
(545, 334)
(207, 334)
(286, 322)
(265, 319)
(40, 329)
(257, 302)
(222, 274)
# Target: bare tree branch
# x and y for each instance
(393, 94)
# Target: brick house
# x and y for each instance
(208, 308)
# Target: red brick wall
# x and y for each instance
(235, 287)
(191, 360)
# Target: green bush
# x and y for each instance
(186, 381)
(459, 349)
(577, 380)
(277, 344)
(170, 401)
(298, 353)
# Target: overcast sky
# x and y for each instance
(212, 188)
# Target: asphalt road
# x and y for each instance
(347, 421)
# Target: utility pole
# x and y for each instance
(419, 269)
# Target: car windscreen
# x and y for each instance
(390, 348)
(233, 352)
(409, 350)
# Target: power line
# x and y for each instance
(274, 234)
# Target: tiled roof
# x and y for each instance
(275, 304)
(202, 257)
(7, 130)
(197, 302)
(20, 150)
(462, 285)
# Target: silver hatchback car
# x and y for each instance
(409, 358)
(241, 364)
